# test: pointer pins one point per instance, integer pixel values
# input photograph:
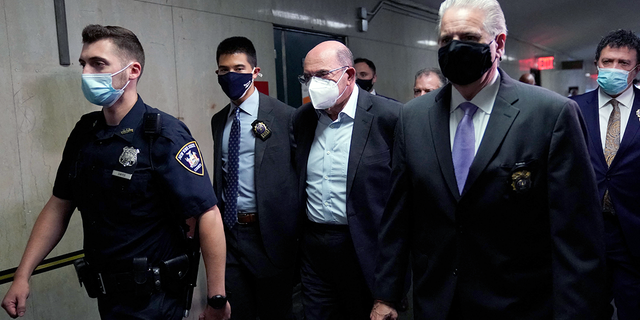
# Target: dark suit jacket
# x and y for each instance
(275, 179)
(623, 177)
(494, 253)
(368, 172)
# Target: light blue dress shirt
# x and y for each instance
(328, 164)
(246, 160)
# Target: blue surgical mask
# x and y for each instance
(235, 85)
(613, 81)
(98, 88)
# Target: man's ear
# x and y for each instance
(256, 73)
(136, 70)
(351, 74)
(501, 40)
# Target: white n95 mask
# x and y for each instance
(324, 93)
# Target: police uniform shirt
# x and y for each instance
(134, 191)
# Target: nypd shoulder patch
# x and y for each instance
(190, 158)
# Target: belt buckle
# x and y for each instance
(247, 216)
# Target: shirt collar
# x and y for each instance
(249, 106)
(349, 109)
(625, 99)
(128, 124)
(483, 100)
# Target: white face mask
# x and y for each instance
(324, 93)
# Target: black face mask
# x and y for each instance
(366, 85)
(464, 62)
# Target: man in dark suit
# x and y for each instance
(366, 76)
(256, 181)
(612, 117)
(344, 140)
(493, 194)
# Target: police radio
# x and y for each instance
(152, 127)
(152, 124)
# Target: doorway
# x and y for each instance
(291, 47)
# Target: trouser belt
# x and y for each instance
(247, 217)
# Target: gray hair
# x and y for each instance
(427, 71)
(494, 22)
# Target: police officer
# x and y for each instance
(135, 174)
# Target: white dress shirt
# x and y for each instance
(484, 100)
(604, 103)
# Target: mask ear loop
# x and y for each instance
(114, 74)
(123, 69)
(494, 60)
(345, 88)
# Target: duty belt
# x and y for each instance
(144, 280)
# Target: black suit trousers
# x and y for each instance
(255, 287)
(333, 286)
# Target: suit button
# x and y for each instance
(459, 228)
(455, 271)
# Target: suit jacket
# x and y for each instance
(368, 169)
(622, 179)
(275, 179)
(494, 252)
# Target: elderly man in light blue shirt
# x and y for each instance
(344, 139)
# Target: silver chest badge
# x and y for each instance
(129, 156)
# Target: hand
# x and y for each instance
(216, 314)
(15, 301)
(383, 311)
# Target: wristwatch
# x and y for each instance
(217, 302)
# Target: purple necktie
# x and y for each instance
(464, 144)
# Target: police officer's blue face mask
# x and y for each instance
(98, 88)
(613, 81)
(235, 85)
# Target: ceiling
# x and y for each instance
(572, 27)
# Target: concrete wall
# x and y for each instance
(40, 100)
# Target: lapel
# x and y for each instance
(631, 131)
(218, 123)
(361, 128)
(307, 128)
(591, 115)
(502, 116)
(264, 114)
(439, 124)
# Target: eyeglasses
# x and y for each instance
(306, 77)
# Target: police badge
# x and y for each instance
(520, 180)
(260, 130)
(129, 156)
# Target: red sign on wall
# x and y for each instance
(545, 63)
(262, 86)
(541, 63)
